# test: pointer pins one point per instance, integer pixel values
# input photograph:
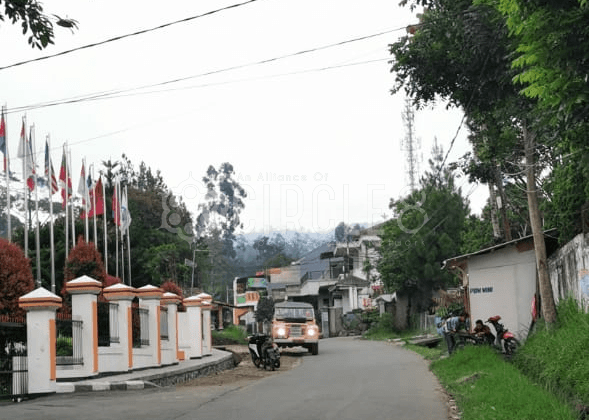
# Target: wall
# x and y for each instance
(569, 270)
(503, 283)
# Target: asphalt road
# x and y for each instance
(349, 379)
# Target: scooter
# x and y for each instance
(264, 351)
(510, 343)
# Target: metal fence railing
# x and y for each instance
(140, 326)
(164, 335)
(69, 341)
(13, 357)
(108, 323)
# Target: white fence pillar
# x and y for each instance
(170, 345)
(119, 356)
(150, 355)
(207, 339)
(41, 305)
(84, 291)
(192, 331)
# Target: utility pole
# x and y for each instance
(410, 145)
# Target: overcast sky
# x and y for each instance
(314, 138)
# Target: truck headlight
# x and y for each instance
(311, 331)
(281, 331)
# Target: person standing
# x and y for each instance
(451, 327)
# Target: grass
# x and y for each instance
(233, 334)
(487, 387)
(557, 357)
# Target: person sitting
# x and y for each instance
(483, 331)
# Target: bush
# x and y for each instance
(233, 334)
(64, 346)
(84, 259)
(556, 357)
(16, 277)
(382, 329)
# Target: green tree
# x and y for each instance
(265, 309)
(425, 231)
(461, 52)
(32, 18)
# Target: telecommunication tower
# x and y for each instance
(411, 145)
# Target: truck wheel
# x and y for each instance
(314, 349)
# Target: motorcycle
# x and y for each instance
(505, 339)
(264, 351)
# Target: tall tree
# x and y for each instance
(222, 206)
(461, 52)
(425, 231)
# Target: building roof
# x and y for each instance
(452, 262)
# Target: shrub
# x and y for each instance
(84, 259)
(64, 346)
(16, 277)
(171, 287)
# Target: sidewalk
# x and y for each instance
(154, 377)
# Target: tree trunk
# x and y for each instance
(503, 209)
(493, 202)
(547, 298)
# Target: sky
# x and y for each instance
(314, 137)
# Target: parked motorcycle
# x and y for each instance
(505, 339)
(264, 351)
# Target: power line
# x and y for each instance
(140, 32)
(128, 92)
(97, 95)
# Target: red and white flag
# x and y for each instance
(96, 201)
(25, 151)
(62, 179)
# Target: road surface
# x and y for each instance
(349, 379)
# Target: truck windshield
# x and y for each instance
(294, 313)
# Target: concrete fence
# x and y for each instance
(172, 335)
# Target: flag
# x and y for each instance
(3, 141)
(96, 200)
(116, 210)
(49, 164)
(25, 151)
(83, 190)
(125, 214)
(62, 180)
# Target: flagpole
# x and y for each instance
(7, 174)
(119, 196)
(25, 187)
(37, 239)
(116, 196)
(51, 238)
(104, 228)
(84, 198)
(94, 207)
(69, 163)
(128, 237)
(66, 200)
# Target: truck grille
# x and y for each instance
(296, 331)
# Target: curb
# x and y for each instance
(151, 380)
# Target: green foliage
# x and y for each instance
(383, 329)
(16, 277)
(64, 346)
(477, 235)
(415, 243)
(555, 357)
(32, 19)
(265, 309)
(233, 334)
(487, 387)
